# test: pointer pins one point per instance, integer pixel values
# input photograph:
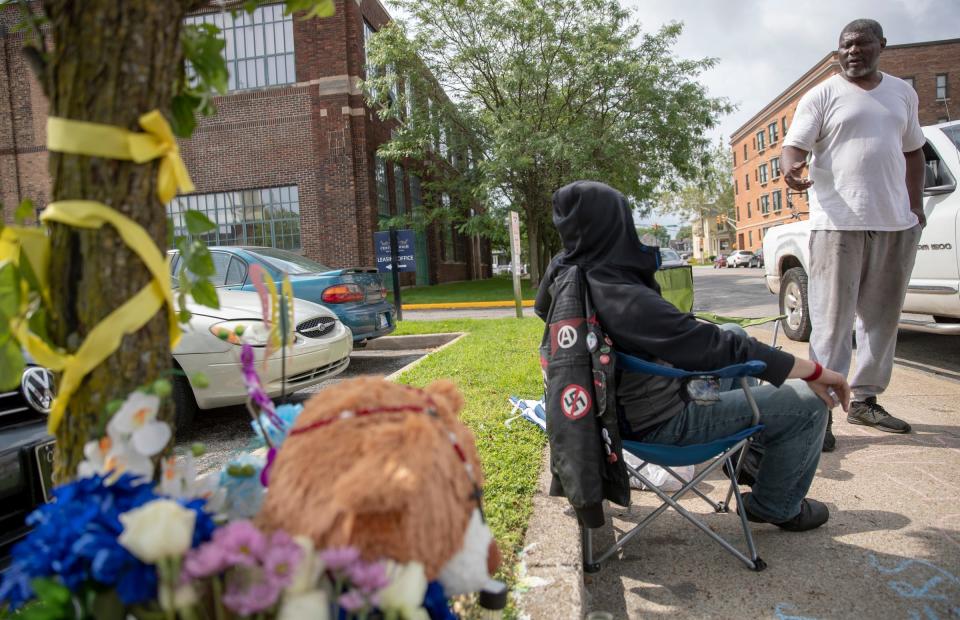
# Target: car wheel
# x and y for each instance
(185, 404)
(793, 304)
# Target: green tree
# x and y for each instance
(109, 63)
(685, 232)
(708, 194)
(656, 231)
(545, 92)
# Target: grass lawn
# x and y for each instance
(497, 359)
(497, 288)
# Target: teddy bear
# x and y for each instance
(391, 470)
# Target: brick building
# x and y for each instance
(761, 197)
(289, 160)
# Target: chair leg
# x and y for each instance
(586, 544)
(758, 564)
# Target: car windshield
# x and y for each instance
(288, 261)
(668, 254)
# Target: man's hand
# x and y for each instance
(832, 389)
(793, 177)
(921, 216)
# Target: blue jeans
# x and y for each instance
(794, 420)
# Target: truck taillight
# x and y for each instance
(341, 294)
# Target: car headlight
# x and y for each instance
(248, 331)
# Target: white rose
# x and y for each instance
(308, 570)
(404, 595)
(312, 605)
(160, 529)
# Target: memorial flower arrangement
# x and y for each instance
(120, 542)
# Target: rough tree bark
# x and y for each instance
(111, 62)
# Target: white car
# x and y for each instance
(670, 258)
(934, 288)
(211, 345)
(740, 258)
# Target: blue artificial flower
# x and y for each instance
(287, 414)
(75, 540)
(436, 603)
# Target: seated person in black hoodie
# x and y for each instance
(598, 234)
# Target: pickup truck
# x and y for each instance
(934, 288)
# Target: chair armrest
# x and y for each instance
(635, 364)
(719, 319)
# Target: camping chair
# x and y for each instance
(677, 287)
(721, 451)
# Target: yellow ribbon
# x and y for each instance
(106, 336)
(98, 140)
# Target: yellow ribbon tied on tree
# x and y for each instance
(98, 140)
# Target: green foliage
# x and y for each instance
(708, 194)
(195, 268)
(657, 232)
(23, 211)
(497, 288)
(203, 51)
(548, 92)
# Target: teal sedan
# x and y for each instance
(355, 295)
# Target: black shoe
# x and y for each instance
(750, 468)
(829, 439)
(869, 413)
(812, 515)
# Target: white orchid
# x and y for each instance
(134, 435)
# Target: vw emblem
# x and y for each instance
(37, 386)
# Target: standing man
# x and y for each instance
(866, 214)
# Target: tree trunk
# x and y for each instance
(112, 61)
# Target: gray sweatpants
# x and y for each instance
(862, 273)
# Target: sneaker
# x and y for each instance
(829, 439)
(869, 413)
(812, 515)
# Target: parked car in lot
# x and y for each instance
(740, 258)
(321, 350)
(757, 260)
(670, 258)
(934, 287)
(355, 295)
(26, 454)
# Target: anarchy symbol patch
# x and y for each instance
(575, 402)
(567, 337)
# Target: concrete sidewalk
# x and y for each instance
(890, 550)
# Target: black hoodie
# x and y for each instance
(598, 234)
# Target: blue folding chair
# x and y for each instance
(717, 453)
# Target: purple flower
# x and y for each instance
(249, 591)
(281, 558)
(242, 543)
(204, 561)
(352, 601)
(254, 388)
(368, 578)
(340, 558)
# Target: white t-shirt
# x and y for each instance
(857, 139)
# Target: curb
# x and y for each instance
(454, 305)
(551, 569)
(458, 336)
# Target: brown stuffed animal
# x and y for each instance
(391, 470)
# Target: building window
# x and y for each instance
(772, 130)
(765, 204)
(748, 209)
(750, 237)
(398, 189)
(734, 158)
(259, 46)
(367, 33)
(943, 90)
(763, 174)
(909, 80)
(789, 200)
(265, 217)
(777, 201)
(783, 123)
(736, 187)
(383, 195)
(744, 151)
(760, 139)
(746, 179)
(775, 167)
(738, 213)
